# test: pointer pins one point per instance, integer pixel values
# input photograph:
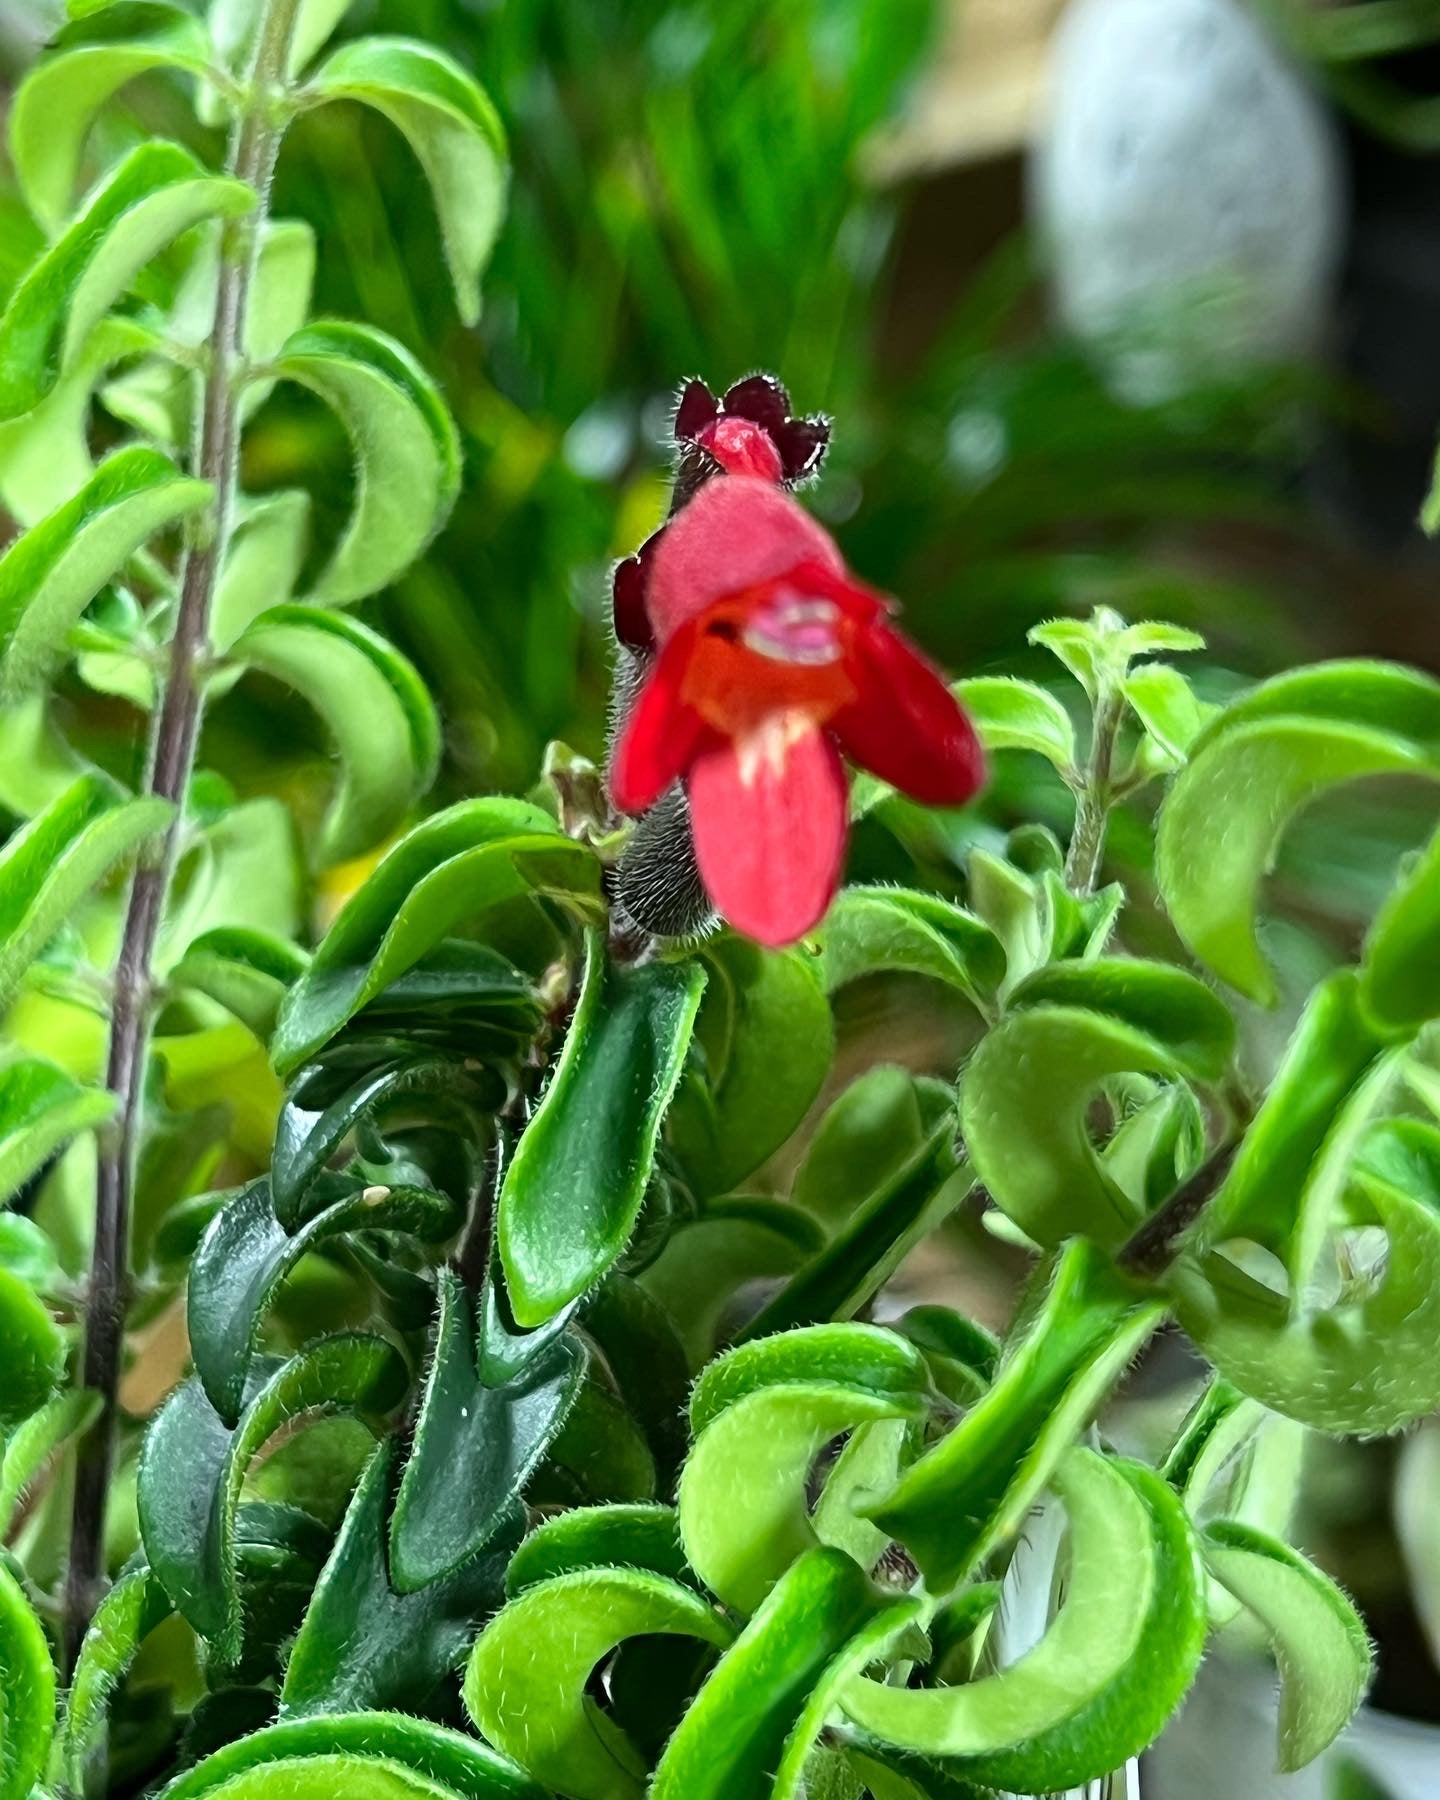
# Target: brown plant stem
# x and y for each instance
(1151, 1250)
(255, 144)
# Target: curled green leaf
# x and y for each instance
(58, 101)
(145, 202)
(375, 706)
(574, 1187)
(454, 130)
(1320, 1642)
(51, 573)
(407, 451)
(27, 1682)
(525, 1683)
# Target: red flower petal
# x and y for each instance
(733, 535)
(905, 725)
(769, 817)
(697, 407)
(742, 448)
(662, 735)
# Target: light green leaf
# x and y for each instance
(633, 1536)
(143, 204)
(972, 1490)
(525, 1684)
(233, 24)
(37, 764)
(1320, 1642)
(707, 1259)
(871, 930)
(375, 705)
(1026, 1093)
(124, 1618)
(1253, 768)
(1400, 970)
(875, 1125)
(356, 1776)
(1165, 704)
(454, 130)
(51, 863)
(262, 565)
(407, 451)
(450, 869)
(756, 1719)
(1112, 1666)
(574, 1187)
(1368, 1362)
(45, 455)
(41, 1108)
(247, 972)
(1018, 715)
(58, 101)
(32, 1352)
(767, 1039)
(456, 1762)
(27, 1692)
(50, 574)
(36, 1441)
(762, 1415)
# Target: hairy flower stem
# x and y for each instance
(255, 144)
(1094, 799)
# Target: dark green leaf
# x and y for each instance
(365, 1645)
(573, 1190)
(193, 1465)
(452, 868)
(474, 1448)
(246, 1254)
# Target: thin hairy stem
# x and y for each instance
(255, 144)
(1096, 796)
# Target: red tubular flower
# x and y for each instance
(773, 661)
(749, 430)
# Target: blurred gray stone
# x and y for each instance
(1187, 185)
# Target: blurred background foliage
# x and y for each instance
(708, 187)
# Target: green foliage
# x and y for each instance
(531, 1433)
